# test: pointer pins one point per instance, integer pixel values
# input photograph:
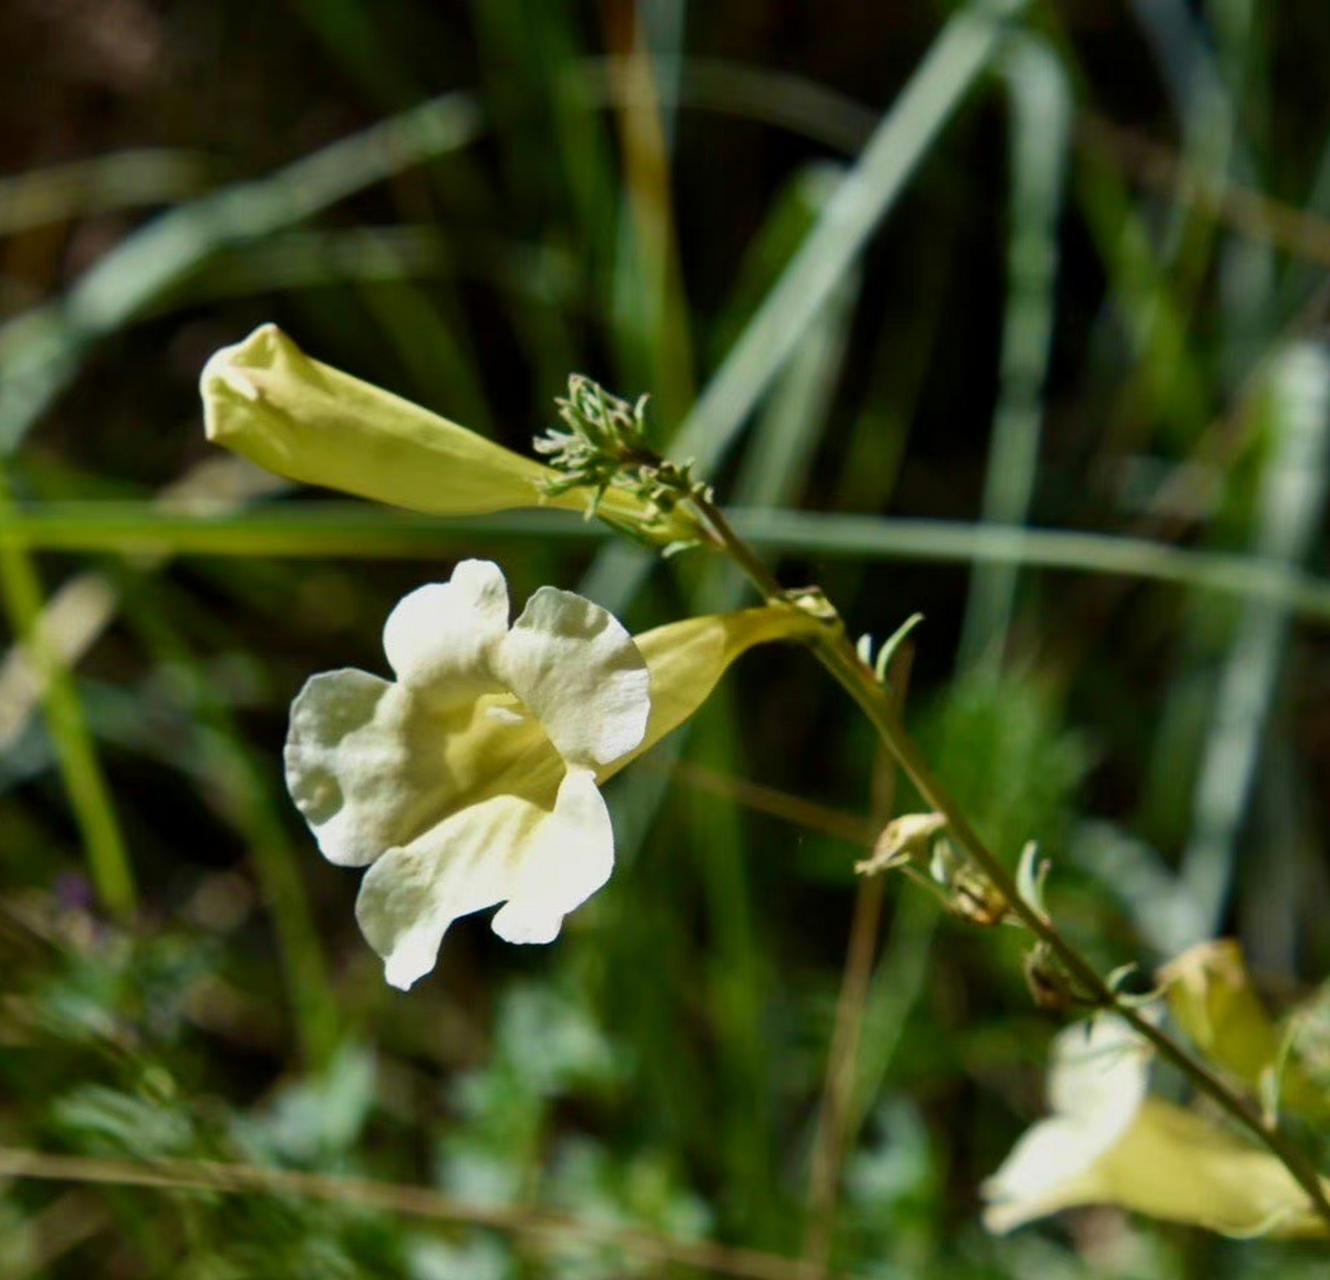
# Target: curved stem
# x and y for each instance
(833, 649)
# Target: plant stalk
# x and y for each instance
(835, 652)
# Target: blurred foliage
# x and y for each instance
(884, 261)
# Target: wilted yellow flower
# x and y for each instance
(266, 399)
(1212, 998)
(1107, 1142)
(472, 779)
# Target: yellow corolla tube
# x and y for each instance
(266, 399)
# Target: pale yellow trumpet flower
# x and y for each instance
(1107, 1141)
(266, 399)
(472, 779)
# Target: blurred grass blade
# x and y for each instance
(957, 58)
(563, 169)
(546, 1230)
(774, 466)
(790, 215)
(1040, 130)
(943, 540)
(241, 783)
(1134, 873)
(739, 979)
(311, 259)
(83, 606)
(774, 471)
(1304, 275)
(664, 26)
(650, 306)
(1201, 101)
(803, 106)
(1167, 386)
(869, 191)
(432, 344)
(40, 350)
(532, 275)
(777, 461)
(365, 532)
(1247, 276)
(1290, 505)
(897, 985)
(73, 617)
(1184, 58)
(85, 784)
(103, 184)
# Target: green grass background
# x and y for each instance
(1010, 314)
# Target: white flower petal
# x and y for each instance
(332, 709)
(544, 863)
(1048, 1158)
(569, 857)
(442, 637)
(410, 896)
(1096, 1087)
(577, 668)
(1099, 1073)
(367, 764)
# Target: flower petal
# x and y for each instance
(577, 668)
(1033, 1180)
(442, 637)
(1213, 999)
(503, 848)
(333, 723)
(1096, 1086)
(1174, 1164)
(570, 856)
(371, 766)
(1099, 1073)
(411, 895)
(266, 399)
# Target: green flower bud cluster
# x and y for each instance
(603, 445)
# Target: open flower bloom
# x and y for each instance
(266, 399)
(473, 778)
(1096, 1085)
(1107, 1142)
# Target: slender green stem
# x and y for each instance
(725, 539)
(833, 649)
